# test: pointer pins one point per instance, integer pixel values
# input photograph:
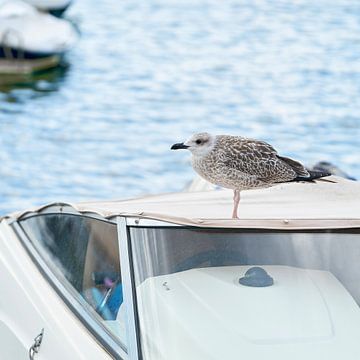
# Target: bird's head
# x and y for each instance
(199, 144)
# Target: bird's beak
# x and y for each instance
(179, 146)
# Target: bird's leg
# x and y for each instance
(236, 204)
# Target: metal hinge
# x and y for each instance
(35, 347)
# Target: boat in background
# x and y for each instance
(31, 40)
(332, 169)
(54, 7)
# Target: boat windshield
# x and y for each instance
(214, 294)
(83, 254)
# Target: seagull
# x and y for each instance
(240, 163)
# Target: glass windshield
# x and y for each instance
(83, 253)
(215, 294)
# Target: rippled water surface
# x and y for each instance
(146, 74)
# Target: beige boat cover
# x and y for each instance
(286, 206)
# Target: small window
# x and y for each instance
(83, 253)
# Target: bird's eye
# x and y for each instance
(198, 141)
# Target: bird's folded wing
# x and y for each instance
(295, 165)
(260, 159)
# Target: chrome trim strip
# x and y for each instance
(59, 209)
(134, 221)
(105, 340)
(129, 290)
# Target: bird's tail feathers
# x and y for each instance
(314, 175)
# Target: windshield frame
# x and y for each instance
(103, 337)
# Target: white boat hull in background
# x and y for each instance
(22, 26)
(28, 37)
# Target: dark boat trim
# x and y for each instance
(10, 53)
(60, 11)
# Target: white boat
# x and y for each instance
(31, 40)
(54, 7)
(172, 277)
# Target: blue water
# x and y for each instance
(146, 74)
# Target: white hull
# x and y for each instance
(22, 27)
(30, 304)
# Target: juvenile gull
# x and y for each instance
(240, 163)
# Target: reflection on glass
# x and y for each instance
(216, 294)
(83, 252)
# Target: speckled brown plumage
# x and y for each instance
(240, 163)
